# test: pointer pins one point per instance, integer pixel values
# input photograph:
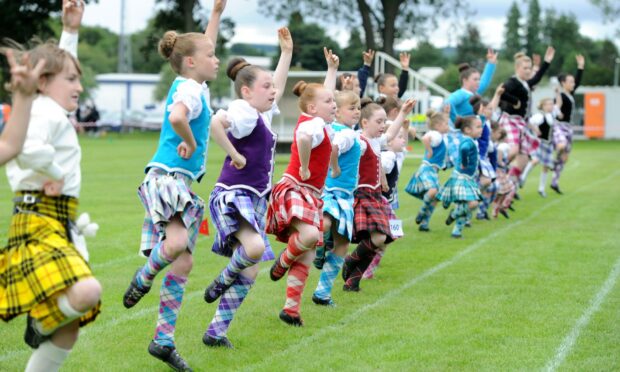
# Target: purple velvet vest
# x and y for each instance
(259, 149)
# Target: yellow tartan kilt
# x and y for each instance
(40, 263)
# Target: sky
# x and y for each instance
(252, 27)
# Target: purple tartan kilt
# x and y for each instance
(563, 134)
(485, 168)
(372, 213)
(544, 154)
(226, 207)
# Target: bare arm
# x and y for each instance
(24, 86)
(333, 162)
(400, 119)
(496, 97)
(213, 26)
(281, 73)
(218, 131)
(180, 124)
(332, 68)
(426, 140)
(304, 146)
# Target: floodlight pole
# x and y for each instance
(616, 71)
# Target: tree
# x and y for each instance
(309, 40)
(555, 29)
(533, 29)
(383, 22)
(427, 55)
(351, 58)
(610, 10)
(470, 48)
(512, 33)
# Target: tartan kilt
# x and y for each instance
(517, 134)
(459, 187)
(339, 205)
(40, 262)
(164, 195)
(563, 134)
(372, 213)
(485, 168)
(424, 179)
(453, 140)
(544, 154)
(291, 200)
(503, 183)
(226, 207)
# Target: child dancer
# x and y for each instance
(424, 184)
(238, 204)
(505, 187)
(371, 227)
(516, 100)
(462, 188)
(543, 123)
(486, 174)
(387, 84)
(295, 213)
(173, 211)
(43, 274)
(391, 164)
(338, 197)
(562, 131)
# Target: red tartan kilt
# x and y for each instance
(372, 213)
(290, 200)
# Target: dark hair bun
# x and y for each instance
(475, 99)
(166, 44)
(365, 102)
(299, 88)
(464, 67)
(430, 113)
(234, 66)
(381, 100)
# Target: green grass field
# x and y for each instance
(538, 291)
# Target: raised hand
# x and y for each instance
(404, 60)
(72, 13)
(332, 60)
(499, 90)
(368, 57)
(581, 61)
(549, 54)
(408, 106)
(285, 40)
(536, 59)
(219, 5)
(24, 78)
(446, 108)
(491, 56)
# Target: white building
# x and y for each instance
(122, 92)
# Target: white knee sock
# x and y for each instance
(543, 181)
(526, 171)
(65, 307)
(47, 358)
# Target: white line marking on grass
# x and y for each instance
(295, 347)
(570, 339)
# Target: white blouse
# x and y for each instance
(314, 128)
(345, 139)
(375, 143)
(189, 92)
(242, 117)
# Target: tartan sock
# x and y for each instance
(157, 261)
(460, 215)
(486, 199)
(372, 268)
(239, 261)
(331, 268)
(293, 250)
(426, 205)
(508, 199)
(543, 181)
(229, 304)
(558, 166)
(365, 252)
(295, 283)
(170, 299)
(429, 214)
(47, 358)
(514, 174)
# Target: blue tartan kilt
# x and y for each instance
(485, 168)
(544, 154)
(226, 207)
(339, 205)
(453, 140)
(459, 187)
(424, 179)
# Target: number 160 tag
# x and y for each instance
(396, 228)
